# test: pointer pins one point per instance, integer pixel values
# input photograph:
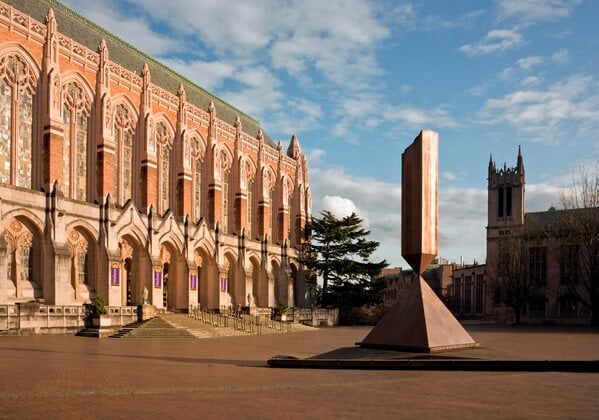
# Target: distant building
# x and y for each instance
(546, 261)
(437, 275)
(467, 295)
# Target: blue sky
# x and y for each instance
(357, 80)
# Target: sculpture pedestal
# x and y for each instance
(147, 312)
(419, 322)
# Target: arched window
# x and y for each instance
(225, 214)
(197, 169)
(80, 264)
(164, 140)
(76, 112)
(250, 207)
(247, 184)
(271, 218)
(197, 189)
(123, 131)
(268, 182)
(17, 88)
(224, 173)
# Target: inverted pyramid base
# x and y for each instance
(419, 322)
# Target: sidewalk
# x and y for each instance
(78, 377)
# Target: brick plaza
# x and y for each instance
(227, 377)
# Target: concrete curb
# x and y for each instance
(589, 366)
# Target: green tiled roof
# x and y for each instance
(85, 32)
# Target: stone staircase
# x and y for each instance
(198, 328)
(170, 325)
(153, 328)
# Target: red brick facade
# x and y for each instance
(143, 214)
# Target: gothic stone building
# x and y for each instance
(118, 176)
(546, 261)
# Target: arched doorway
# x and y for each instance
(207, 288)
(229, 284)
(175, 288)
(280, 284)
(135, 270)
(259, 284)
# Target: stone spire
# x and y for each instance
(294, 149)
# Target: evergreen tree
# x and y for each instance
(339, 252)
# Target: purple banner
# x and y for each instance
(157, 277)
(115, 275)
(193, 280)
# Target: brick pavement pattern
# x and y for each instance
(80, 377)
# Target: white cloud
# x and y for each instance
(339, 206)
(209, 75)
(539, 197)
(529, 62)
(420, 118)
(238, 29)
(315, 156)
(531, 81)
(449, 176)
(378, 203)
(479, 90)
(297, 115)
(258, 91)
(496, 40)
(136, 31)
(534, 11)
(561, 56)
(544, 112)
(462, 221)
(507, 73)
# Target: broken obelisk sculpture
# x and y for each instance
(419, 321)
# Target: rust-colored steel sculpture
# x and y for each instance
(419, 321)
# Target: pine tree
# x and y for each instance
(339, 253)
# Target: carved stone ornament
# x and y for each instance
(126, 250)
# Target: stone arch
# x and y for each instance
(136, 270)
(269, 181)
(195, 146)
(207, 276)
(24, 262)
(223, 174)
(124, 100)
(26, 216)
(124, 123)
(195, 161)
(223, 159)
(281, 291)
(71, 76)
(175, 291)
(259, 289)
(82, 242)
(16, 48)
(229, 283)
(174, 240)
(162, 144)
(76, 110)
(20, 104)
(247, 171)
